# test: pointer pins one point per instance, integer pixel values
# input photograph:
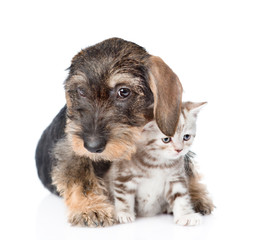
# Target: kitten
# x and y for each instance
(155, 180)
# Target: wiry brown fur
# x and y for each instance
(200, 199)
(83, 192)
(93, 110)
(120, 146)
(199, 195)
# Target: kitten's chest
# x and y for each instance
(150, 195)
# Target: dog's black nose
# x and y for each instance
(95, 144)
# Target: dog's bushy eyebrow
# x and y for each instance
(76, 79)
(123, 78)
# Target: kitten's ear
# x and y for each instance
(167, 91)
(194, 107)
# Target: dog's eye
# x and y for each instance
(123, 93)
(186, 137)
(81, 92)
(166, 140)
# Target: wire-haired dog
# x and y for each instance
(113, 89)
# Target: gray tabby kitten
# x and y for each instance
(155, 181)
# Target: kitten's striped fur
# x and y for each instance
(155, 180)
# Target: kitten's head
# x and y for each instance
(180, 143)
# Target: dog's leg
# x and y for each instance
(88, 208)
(199, 195)
(84, 193)
(200, 199)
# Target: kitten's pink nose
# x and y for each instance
(179, 150)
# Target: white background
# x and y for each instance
(217, 48)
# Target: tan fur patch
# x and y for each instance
(88, 209)
(118, 147)
(68, 100)
(79, 77)
(84, 194)
(121, 78)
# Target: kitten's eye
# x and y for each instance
(166, 140)
(81, 92)
(186, 137)
(123, 93)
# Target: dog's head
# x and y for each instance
(113, 89)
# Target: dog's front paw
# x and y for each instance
(93, 217)
(189, 219)
(125, 217)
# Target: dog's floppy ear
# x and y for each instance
(167, 91)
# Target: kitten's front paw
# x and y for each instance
(125, 217)
(189, 219)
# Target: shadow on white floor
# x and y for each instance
(52, 224)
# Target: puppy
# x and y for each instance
(113, 89)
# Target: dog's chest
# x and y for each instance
(150, 196)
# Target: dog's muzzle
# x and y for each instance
(95, 144)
